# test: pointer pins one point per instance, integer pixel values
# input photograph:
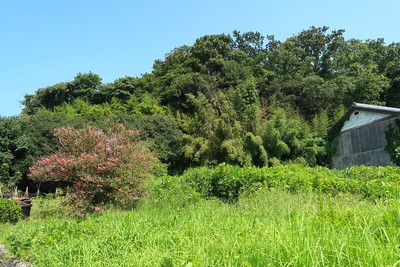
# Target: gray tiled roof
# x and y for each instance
(375, 108)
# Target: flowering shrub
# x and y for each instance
(104, 167)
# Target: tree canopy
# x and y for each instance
(244, 99)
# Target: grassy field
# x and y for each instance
(268, 228)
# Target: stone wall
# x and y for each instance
(364, 145)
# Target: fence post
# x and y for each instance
(16, 192)
(38, 190)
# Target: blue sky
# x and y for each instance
(45, 42)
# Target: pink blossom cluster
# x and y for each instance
(105, 166)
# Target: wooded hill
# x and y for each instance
(240, 98)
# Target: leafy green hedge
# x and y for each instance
(229, 182)
(10, 211)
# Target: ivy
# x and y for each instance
(393, 142)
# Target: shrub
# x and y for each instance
(10, 211)
(104, 167)
(229, 182)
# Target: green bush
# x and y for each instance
(229, 182)
(223, 182)
(10, 211)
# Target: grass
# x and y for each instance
(265, 229)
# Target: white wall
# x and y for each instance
(361, 117)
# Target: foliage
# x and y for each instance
(51, 206)
(104, 167)
(229, 182)
(224, 93)
(393, 142)
(161, 132)
(13, 150)
(163, 135)
(265, 229)
(287, 136)
(84, 85)
(10, 211)
(171, 191)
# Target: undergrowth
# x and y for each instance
(287, 216)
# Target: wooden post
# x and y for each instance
(16, 192)
(38, 190)
(26, 193)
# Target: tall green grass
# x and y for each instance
(268, 228)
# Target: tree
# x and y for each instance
(104, 167)
(392, 71)
(13, 150)
(225, 92)
(84, 86)
(48, 98)
(320, 47)
(162, 134)
(289, 60)
(210, 47)
(251, 43)
(122, 89)
(287, 136)
(254, 151)
(361, 63)
(213, 123)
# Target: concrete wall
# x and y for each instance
(363, 145)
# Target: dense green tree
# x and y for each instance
(251, 43)
(320, 47)
(392, 72)
(121, 89)
(208, 49)
(212, 124)
(288, 60)
(245, 98)
(254, 151)
(360, 62)
(47, 98)
(163, 135)
(13, 149)
(287, 136)
(84, 86)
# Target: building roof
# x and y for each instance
(380, 109)
(366, 107)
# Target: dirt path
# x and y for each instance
(7, 261)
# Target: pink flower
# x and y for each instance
(95, 154)
(96, 209)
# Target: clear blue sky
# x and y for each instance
(44, 42)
